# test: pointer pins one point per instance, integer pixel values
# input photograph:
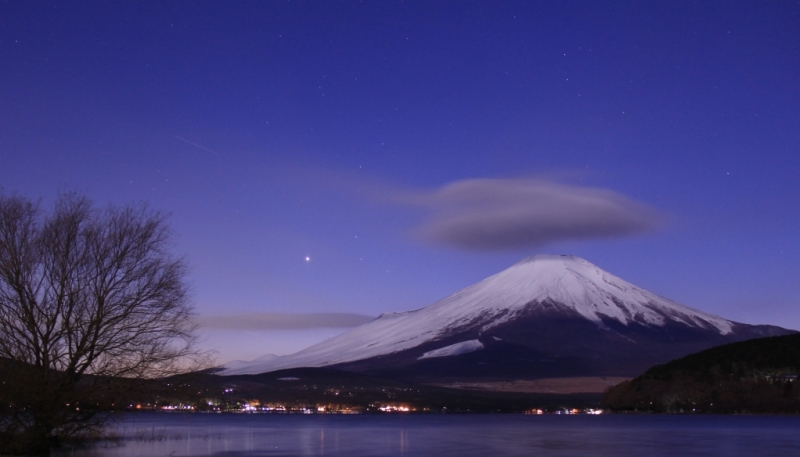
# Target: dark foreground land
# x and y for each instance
(755, 376)
(327, 390)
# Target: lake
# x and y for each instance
(256, 435)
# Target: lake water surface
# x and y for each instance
(242, 435)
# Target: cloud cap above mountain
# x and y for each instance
(501, 214)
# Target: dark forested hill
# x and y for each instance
(758, 376)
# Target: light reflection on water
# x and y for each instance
(241, 435)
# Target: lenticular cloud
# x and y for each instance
(498, 214)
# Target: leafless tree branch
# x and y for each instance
(85, 295)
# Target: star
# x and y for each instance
(308, 259)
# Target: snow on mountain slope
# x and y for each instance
(463, 347)
(569, 281)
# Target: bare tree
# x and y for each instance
(87, 297)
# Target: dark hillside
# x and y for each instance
(340, 389)
(300, 388)
(758, 376)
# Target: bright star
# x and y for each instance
(308, 259)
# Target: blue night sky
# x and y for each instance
(324, 161)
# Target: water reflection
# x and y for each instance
(154, 434)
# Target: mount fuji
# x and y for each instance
(545, 316)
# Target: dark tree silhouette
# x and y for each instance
(88, 297)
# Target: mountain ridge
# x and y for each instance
(545, 304)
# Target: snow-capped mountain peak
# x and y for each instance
(588, 290)
(539, 284)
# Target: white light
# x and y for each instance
(308, 259)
